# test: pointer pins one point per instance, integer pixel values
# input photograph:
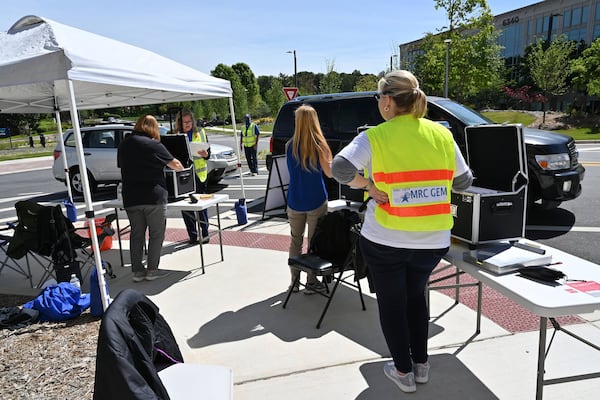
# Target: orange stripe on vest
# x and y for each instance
(413, 176)
(416, 211)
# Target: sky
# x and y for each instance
(346, 34)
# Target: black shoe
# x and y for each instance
(205, 239)
(193, 241)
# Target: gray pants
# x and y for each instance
(153, 218)
(299, 221)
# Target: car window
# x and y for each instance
(99, 139)
(94, 139)
(70, 141)
(349, 115)
(464, 113)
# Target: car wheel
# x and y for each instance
(76, 182)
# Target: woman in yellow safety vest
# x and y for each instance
(185, 123)
(410, 165)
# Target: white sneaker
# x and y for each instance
(406, 383)
(421, 372)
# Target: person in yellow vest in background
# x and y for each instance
(185, 123)
(249, 142)
(410, 165)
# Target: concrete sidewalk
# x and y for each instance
(232, 316)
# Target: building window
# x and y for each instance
(567, 19)
(576, 18)
(584, 14)
(598, 12)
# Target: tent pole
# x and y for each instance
(236, 144)
(87, 196)
(61, 140)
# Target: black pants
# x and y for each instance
(251, 158)
(400, 277)
(191, 225)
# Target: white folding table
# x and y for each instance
(182, 205)
(546, 301)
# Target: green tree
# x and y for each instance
(332, 81)
(461, 12)
(274, 96)
(250, 85)
(587, 69)
(348, 81)
(550, 68)
(366, 83)
(239, 94)
(474, 55)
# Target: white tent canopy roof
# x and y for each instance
(36, 53)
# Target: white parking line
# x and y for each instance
(562, 228)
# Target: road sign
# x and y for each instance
(290, 92)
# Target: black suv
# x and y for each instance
(555, 174)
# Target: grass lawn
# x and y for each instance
(510, 117)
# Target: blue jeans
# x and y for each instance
(400, 277)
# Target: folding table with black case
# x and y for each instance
(494, 208)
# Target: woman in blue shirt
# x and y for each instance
(308, 158)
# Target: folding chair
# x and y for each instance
(139, 358)
(10, 262)
(46, 235)
(83, 244)
(323, 262)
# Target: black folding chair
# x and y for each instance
(8, 261)
(349, 270)
(46, 235)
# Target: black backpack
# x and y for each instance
(333, 239)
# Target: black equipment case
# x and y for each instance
(179, 183)
(494, 208)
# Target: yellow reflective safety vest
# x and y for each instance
(413, 161)
(249, 135)
(200, 164)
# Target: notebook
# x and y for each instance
(504, 258)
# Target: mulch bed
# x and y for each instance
(48, 360)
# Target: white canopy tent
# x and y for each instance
(48, 67)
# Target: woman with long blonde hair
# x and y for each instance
(308, 158)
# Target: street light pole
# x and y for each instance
(447, 41)
(295, 67)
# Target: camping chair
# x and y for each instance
(83, 244)
(8, 261)
(337, 265)
(138, 357)
(46, 235)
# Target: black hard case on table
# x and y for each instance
(494, 208)
(179, 183)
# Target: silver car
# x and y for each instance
(100, 150)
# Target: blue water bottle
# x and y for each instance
(96, 308)
(240, 212)
(71, 210)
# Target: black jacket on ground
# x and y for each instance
(132, 344)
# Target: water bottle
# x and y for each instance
(96, 308)
(120, 191)
(75, 281)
